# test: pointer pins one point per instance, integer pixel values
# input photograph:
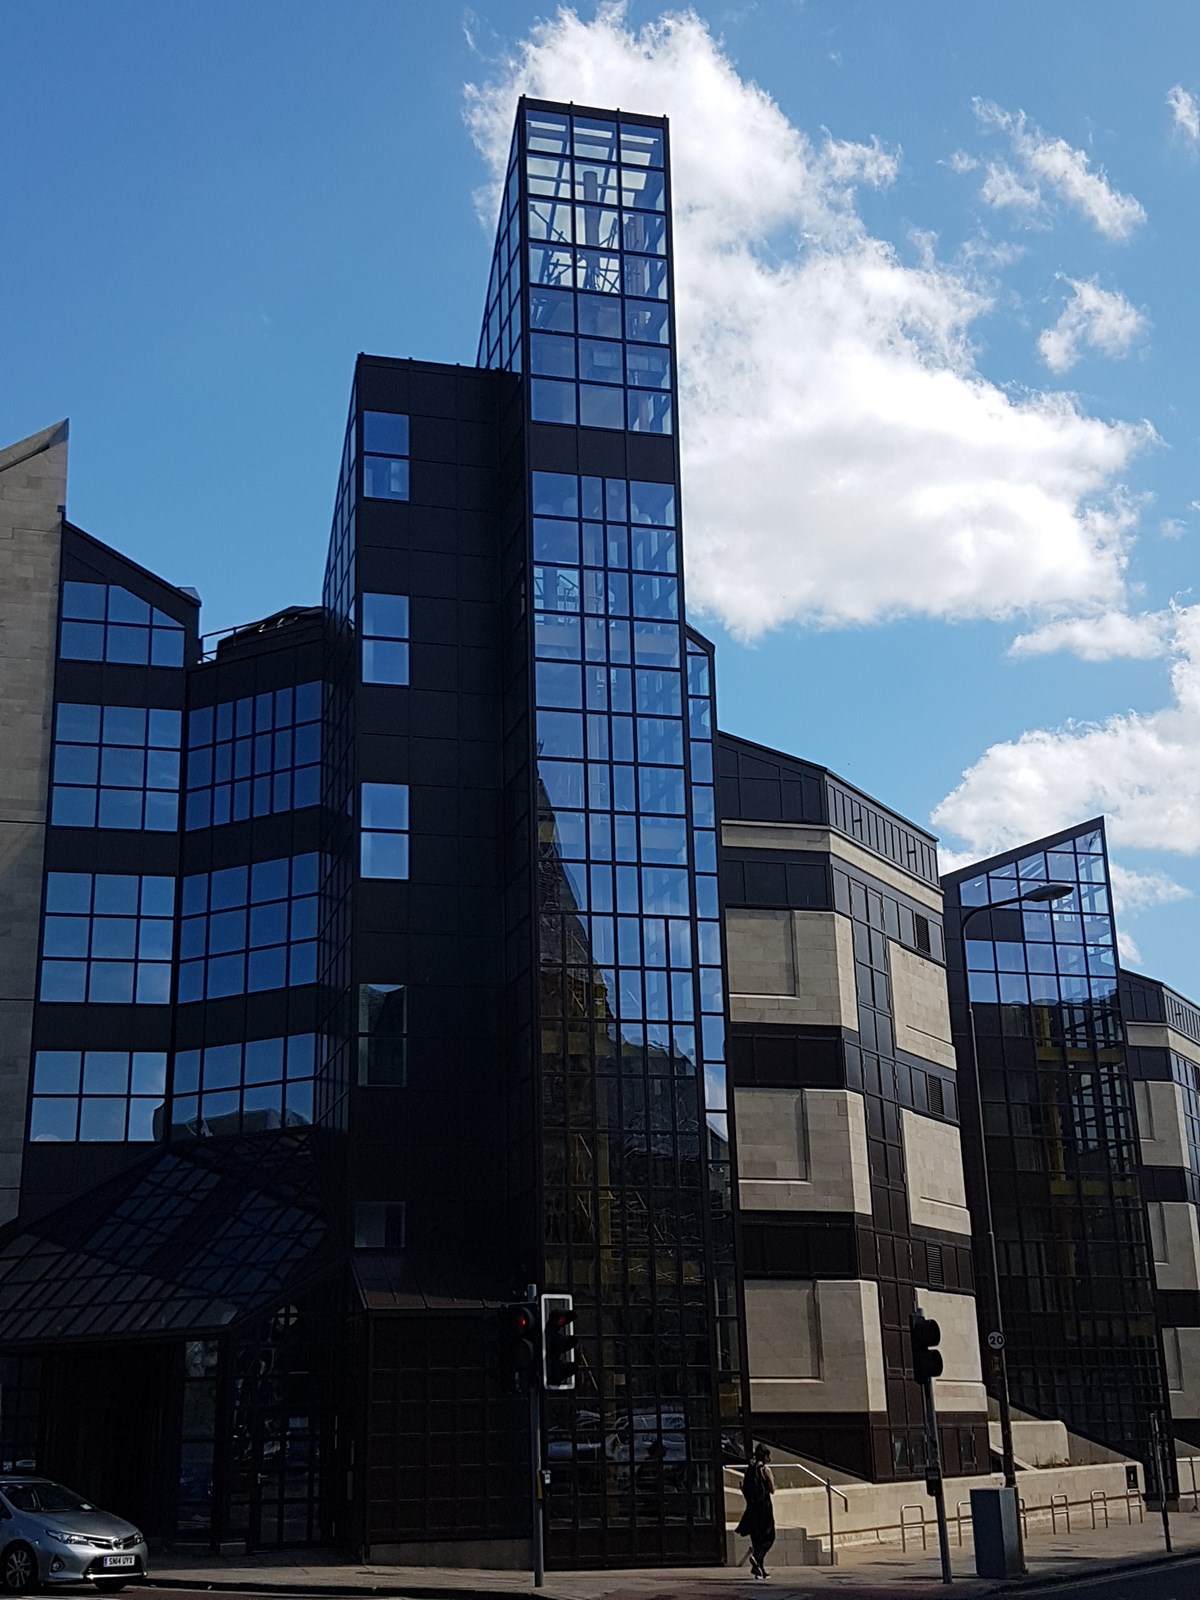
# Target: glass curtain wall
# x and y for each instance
(635, 1191)
(1076, 1280)
(337, 1024)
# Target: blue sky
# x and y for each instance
(937, 327)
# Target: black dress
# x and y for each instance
(758, 1519)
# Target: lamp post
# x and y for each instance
(1042, 895)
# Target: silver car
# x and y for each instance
(50, 1535)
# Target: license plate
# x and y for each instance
(120, 1561)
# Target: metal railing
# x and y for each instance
(958, 1511)
(907, 1527)
(830, 1491)
(1099, 1504)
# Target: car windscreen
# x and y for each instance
(43, 1497)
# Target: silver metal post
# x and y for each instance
(829, 1502)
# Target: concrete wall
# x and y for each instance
(1035, 1444)
(937, 1196)
(762, 956)
(802, 1150)
(800, 836)
(960, 1388)
(877, 1505)
(33, 486)
(920, 1006)
(1181, 1347)
(1161, 1128)
(1175, 1238)
(791, 967)
(814, 1346)
(1158, 1036)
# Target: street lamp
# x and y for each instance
(1044, 893)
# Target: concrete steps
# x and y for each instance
(792, 1548)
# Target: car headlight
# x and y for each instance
(66, 1538)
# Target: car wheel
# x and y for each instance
(18, 1570)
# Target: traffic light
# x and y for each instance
(558, 1342)
(518, 1346)
(925, 1336)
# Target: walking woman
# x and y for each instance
(758, 1519)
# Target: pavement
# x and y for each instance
(866, 1572)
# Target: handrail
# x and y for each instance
(830, 1491)
(816, 1477)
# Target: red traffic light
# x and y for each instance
(558, 1342)
(518, 1345)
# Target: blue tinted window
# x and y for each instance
(385, 433)
(85, 601)
(385, 453)
(385, 638)
(239, 926)
(265, 1083)
(254, 756)
(97, 945)
(555, 494)
(104, 622)
(385, 478)
(384, 839)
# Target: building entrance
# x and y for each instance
(105, 1408)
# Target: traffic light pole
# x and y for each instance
(1161, 1438)
(933, 1475)
(535, 1454)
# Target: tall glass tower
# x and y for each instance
(610, 801)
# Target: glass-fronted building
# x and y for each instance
(1077, 1283)
(367, 960)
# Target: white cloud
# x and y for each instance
(847, 162)
(1002, 188)
(1173, 527)
(1141, 769)
(1107, 636)
(1138, 891)
(844, 459)
(1095, 318)
(1135, 891)
(1185, 113)
(1067, 172)
(960, 161)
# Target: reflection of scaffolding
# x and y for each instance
(597, 236)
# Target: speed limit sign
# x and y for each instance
(995, 1341)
